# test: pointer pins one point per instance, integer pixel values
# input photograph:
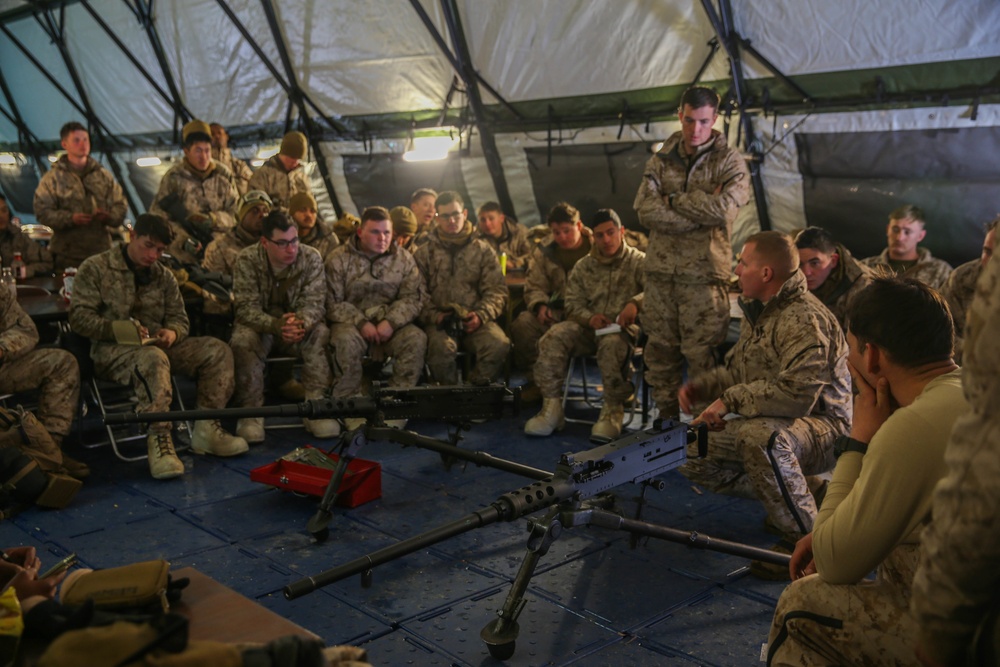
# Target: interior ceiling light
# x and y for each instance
(265, 153)
(425, 149)
(657, 147)
(8, 158)
(54, 157)
(148, 161)
(256, 163)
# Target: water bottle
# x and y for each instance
(19, 268)
(68, 276)
(7, 277)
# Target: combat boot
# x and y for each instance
(351, 423)
(550, 419)
(163, 461)
(323, 429)
(251, 429)
(209, 437)
(609, 424)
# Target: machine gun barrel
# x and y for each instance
(449, 402)
(634, 458)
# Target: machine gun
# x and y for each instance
(456, 404)
(577, 494)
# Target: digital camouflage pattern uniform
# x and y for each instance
(361, 289)
(787, 380)
(106, 289)
(210, 193)
(689, 259)
(958, 292)
(37, 258)
(262, 296)
(544, 284)
(463, 272)
(54, 373)
(322, 238)
(222, 252)
(64, 191)
(239, 170)
(956, 581)
(280, 184)
(847, 279)
(928, 270)
(597, 285)
(513, 240)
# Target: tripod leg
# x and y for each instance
(318, 524)
(500, 635)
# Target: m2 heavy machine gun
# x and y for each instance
(577, 494)
(457, 405)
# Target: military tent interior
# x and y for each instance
(844, 111)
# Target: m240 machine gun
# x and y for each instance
(576, 494)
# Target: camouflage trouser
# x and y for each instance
(56, 376)
(251, 349)
(569, 339)
(769, 458)
(682, 321)
(488, 343)
(867, 623)
(407, 347)
(525, 332)
(147, 369)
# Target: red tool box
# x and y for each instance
(362, 480)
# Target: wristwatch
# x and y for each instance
(846, 443)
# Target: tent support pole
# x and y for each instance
(175, 103)
(144, 13)
(468, 75)
(55, 29)
(25, 135)
(729, 38)
(298, 98)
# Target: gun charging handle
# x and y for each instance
(699, 433)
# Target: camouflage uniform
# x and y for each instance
(513, 241)
(849, 278)
(596, 285)
(928, 270)
(211, 194)
(322, 238)
(689, 258)
(362, 289)
(106, 289)
(239, 170)
(279, 184)
(54, 373)
(545, 283)
(875, 510)
(221, 253)
(956, 581)
(465, 273)
(64, 191)
(36, 257)
(787, 379)
(261, 298)
(958, 292)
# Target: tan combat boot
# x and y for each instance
(163, 461)
(209, 437)
(609, 424)
(550, 419)
(323, 429)
(251, 429)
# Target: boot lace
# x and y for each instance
(163, 444)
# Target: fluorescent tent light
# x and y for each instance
(152, 161)
(257, 163)
(265, 153)
(7, 158)
(425, 149)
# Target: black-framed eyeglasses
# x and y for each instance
(284, 244)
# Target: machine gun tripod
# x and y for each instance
(577, 495)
